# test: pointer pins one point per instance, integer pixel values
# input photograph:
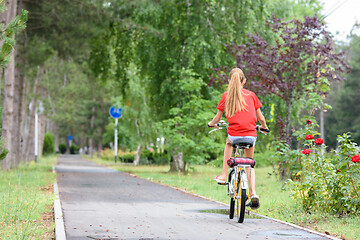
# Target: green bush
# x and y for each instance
(127, 157)
(62, 148)
(328, 184)
(49, 146)
(74, 149)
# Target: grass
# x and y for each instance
(26, 197)
(275, 202)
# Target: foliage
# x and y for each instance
(3, 150)
(126, 156)
(49, 146)
(302, 54)
(324, 183)
(8, 33)
(62, 148)
(74, 149)
(186, 129)
(344, 116)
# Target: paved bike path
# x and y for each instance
(101, 203)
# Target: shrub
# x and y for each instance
(74, 149)
(107, 154)
(49, 146)
(62, 148)
(328, 184)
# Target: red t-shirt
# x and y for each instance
(243, 123)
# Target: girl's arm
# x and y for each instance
(261, 118)
(216, 119)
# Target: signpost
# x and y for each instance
(116, 114)
(38, 110)
(70, 138)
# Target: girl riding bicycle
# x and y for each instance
(242, 109)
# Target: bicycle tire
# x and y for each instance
(232, 201)
(232, 208)
(241, 206)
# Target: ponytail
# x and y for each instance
(235, 100)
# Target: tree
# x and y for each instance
(344, 116)
(303, 55)
(12, 25)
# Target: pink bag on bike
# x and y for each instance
(232, 162)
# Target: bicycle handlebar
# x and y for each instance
(222, 124)
(262, 129)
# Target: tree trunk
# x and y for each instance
(92, 124)
(42, 127)
(177, 163)
(29, 147)
(288, 126)
(56, 136)
(19, 116)
(9, 86)
(99, 148)
(137, 155)
(82, 142)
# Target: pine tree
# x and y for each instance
(10, 25)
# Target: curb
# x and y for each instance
(59, 219)
(250, 212)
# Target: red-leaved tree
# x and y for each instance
(302, 53)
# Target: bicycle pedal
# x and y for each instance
(225, 183)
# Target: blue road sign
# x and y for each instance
(115, 113)
(70, 137)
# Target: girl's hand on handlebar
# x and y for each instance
(211, 125)
(263, 129)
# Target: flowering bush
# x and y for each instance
(125, 156)
(331, 184)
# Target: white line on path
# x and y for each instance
(59, 219)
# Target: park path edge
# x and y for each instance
(58, 214)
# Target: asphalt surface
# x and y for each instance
(100, 203)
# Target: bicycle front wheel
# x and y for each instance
(240, 202)
(232, 208)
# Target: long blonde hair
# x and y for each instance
(235, 100)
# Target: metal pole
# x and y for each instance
(36, 135)
(115, 140)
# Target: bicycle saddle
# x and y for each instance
(243, 143)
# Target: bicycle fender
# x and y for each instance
(244, 180)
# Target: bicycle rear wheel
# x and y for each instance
(240, 202)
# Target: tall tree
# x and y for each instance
(12, 25)
(344, 116)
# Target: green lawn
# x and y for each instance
(26, 201)
(275, 202)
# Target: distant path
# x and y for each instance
(100, 203)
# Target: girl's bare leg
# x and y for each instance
(227, 155)
(251, 171)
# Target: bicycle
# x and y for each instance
(237, 178)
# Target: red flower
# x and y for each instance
(355, 158)
(338, 170)
(309, 137)
(319, 141)
(306, 151)
(308, 121)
